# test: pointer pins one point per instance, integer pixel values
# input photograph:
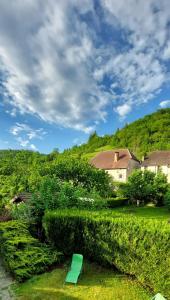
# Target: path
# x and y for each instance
(5, 282)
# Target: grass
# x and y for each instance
(160, 213)
(95, 283)
(90, 155)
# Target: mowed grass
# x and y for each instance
(159, 213)
(95, 283)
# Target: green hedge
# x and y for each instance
(134, 246)
(116, 202)
(23, 255)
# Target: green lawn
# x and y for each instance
(147, 212)
(96, 283)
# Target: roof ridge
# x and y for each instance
(120, 149)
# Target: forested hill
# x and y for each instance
(142, 136)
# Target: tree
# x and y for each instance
(138, 188)
(80, 172)
(160, 187)
(167, 198)
(144, 187)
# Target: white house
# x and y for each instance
(118, 163)
(157, 161)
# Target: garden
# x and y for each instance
(122, 231)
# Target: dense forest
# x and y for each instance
(142, 136)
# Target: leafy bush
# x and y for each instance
(116, 202)
(80, 172)
(134, 246)
(144, 187)
(167, 199)
(53, 194)
(24, 255)
(160, 187)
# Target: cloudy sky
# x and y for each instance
(69, 67)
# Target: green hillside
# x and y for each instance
(141, 137)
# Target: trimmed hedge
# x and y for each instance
(23, 255)
(134, 246)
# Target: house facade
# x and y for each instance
(118, 163)
(157, 161)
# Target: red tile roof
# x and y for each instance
(105, 160)
(157, 158)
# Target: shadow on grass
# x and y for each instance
(50, 293)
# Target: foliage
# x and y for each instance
(116, 202)
(146, 212)
(24, 171)
(141, 137)
(167, 199)
(135, 246)
(145, 187)
(160, 187)
(23, 255)
(19, 171)
(53, 194)
(80, 172)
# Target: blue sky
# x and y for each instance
(68, 68)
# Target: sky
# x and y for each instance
(70, 67)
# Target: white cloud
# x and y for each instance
(33, 147)
(54, 61)
(123, 110)
(30, 132)
(26, 143)
(23, 134)
(22, 142)
(166, 52)
(165, 103)
(12, 112)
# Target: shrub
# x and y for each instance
(22, 254)
(167, 199)
(160, 187)
(116, 202)
(53, 194)
(80, 172)
(134, 246)
(145, 187)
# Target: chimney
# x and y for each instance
(116, 157)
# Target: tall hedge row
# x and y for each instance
(134, 246)
(23, 255)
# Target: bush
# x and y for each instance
(144, 187)
(134, 246)
(160, 187)
(116, 202)
(22, 254)
(53, 194)
(81, 173)
(167, 199)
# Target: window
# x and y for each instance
(120, 176)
